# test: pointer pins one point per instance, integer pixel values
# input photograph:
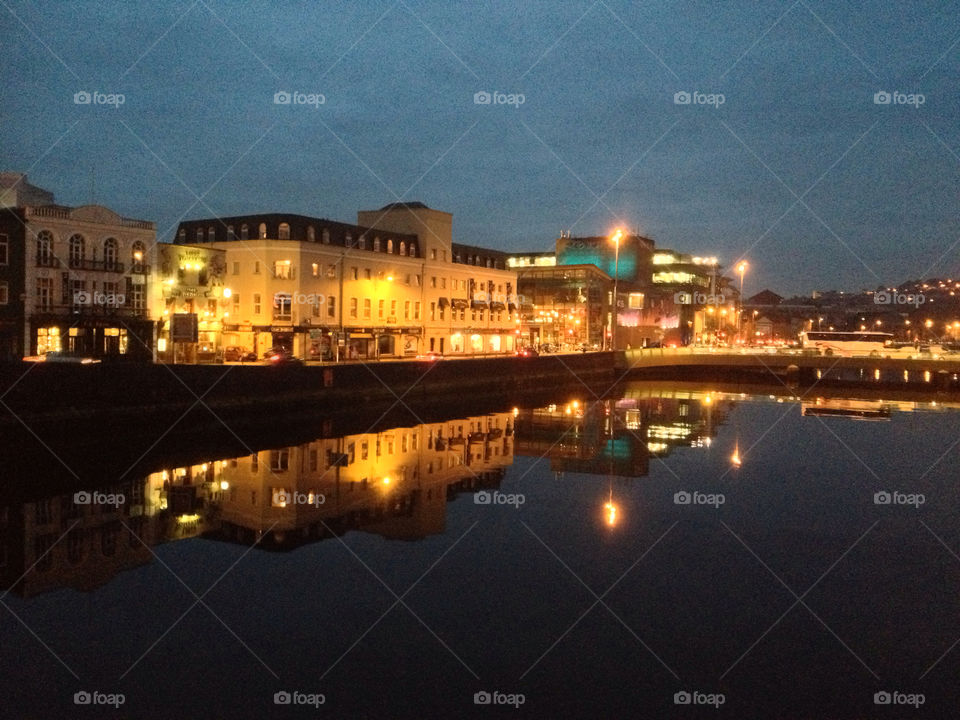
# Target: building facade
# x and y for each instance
(74, 280)
(394, 285)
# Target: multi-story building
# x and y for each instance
(393, 285)
(73, 279)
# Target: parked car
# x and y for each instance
(431, 356)
(235, 353)
(280, 355)
(527, 352)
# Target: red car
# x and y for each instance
(527, 352)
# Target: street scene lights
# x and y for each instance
(741, 268)
(616, 272)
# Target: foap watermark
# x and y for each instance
(895, 497)
(882, 97)
(83, 97)
(98, 498)
(298, 298)
(284, 498)
(499, 698)
(496, 497)
(95, 697)
(97, 298)
(695, 697)
(892, 297)
(283, 97)
(683, 97)
(696, 497)
(698, 298)
(895, 697)
(498, 98)
(499, 297)
(295, 697)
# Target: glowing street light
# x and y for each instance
(616, 272)
(741, 268)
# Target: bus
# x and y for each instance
(845, 344)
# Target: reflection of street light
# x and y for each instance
(616, 272)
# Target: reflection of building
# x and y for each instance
(617, 437)
(393, 285)
(72, 279)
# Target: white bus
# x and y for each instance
(845, 344)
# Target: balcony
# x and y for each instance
(48, 261)
(103, 265)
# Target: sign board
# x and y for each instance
(184, 327)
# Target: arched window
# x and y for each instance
(211, 234)
(376, 244)
(362, 244)
(110, 252)
(283, 232)
(138, 254)
(182, 235)
(403, 248)
(262, 233)
(78, 247)
(390, 245)
(231, 235)
(44, 247)
(348, 240)
(199, 234)
(413, 250)
(325, 236)
(311, 234)
(244, 232)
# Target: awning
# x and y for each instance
(478, 305)
(497, 306)
(360, 336)
(512, 307)
(460, 303)
(444, 302)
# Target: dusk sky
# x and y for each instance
(799, 170)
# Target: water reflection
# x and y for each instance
(395, 483)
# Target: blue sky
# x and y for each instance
(798, 170)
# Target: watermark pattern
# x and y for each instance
(698, 298)
(283, 498)
(895, 697)
(892, 297)
(895, 497)
(283, 97)
(496, 497)
(695, 697)
(95, 697)
(295, 697)
(298, 298)
(496, 697)
(498, 98)
(683, 97)
(98, 498)
(882, 97)
(695, 497)
(82, 297)
(84, 97)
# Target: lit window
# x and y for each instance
(283, 232)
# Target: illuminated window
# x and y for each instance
(390, 246)
(331, 307)
(403, 248)
(282, 270)
(256, 303)
(283, 232)
(367, 308)
(376, 244)
(353, 307)
(262, 232)
(311, 234)
(244, 232)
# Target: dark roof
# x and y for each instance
(415, 205)
(765, 297)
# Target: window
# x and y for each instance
(4, 292)
(77, 250)
(262, 232)
(367, 307)
(443, 283)
(433, 254)
(236, 303)
(433, 311)
(413, 250)
(182, 235)
(393, 308)
(282, 306)
(211, 233)
(44, 247)
(376, 244)
(325, 236)
(283, 232)
(280, 460)
(380, 306)
(362, 243)
(282, 270)
(366, 273)
(199, 234)
(390, 246)
(403, 248)
(331, 270)
(364, 450)
(331, 307)
(406, 280)
(236, 268)
(138, 253)
(353, 307)
(44, 293)
(406, 310)
(256, 267)
(416, 310)
(244, 232)
(231, 235)
(348, 240)
(110, 253)
(315, 269)
(256, 303)
(311, 234)
(433, 281)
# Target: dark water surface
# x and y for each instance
(785, 588)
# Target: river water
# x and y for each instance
(673, 551)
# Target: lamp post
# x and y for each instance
(741, 268)
(616, 272)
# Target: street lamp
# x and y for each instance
(741, 268)
(616, 272)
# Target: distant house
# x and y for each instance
(765, 297)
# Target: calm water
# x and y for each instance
(622, 556)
